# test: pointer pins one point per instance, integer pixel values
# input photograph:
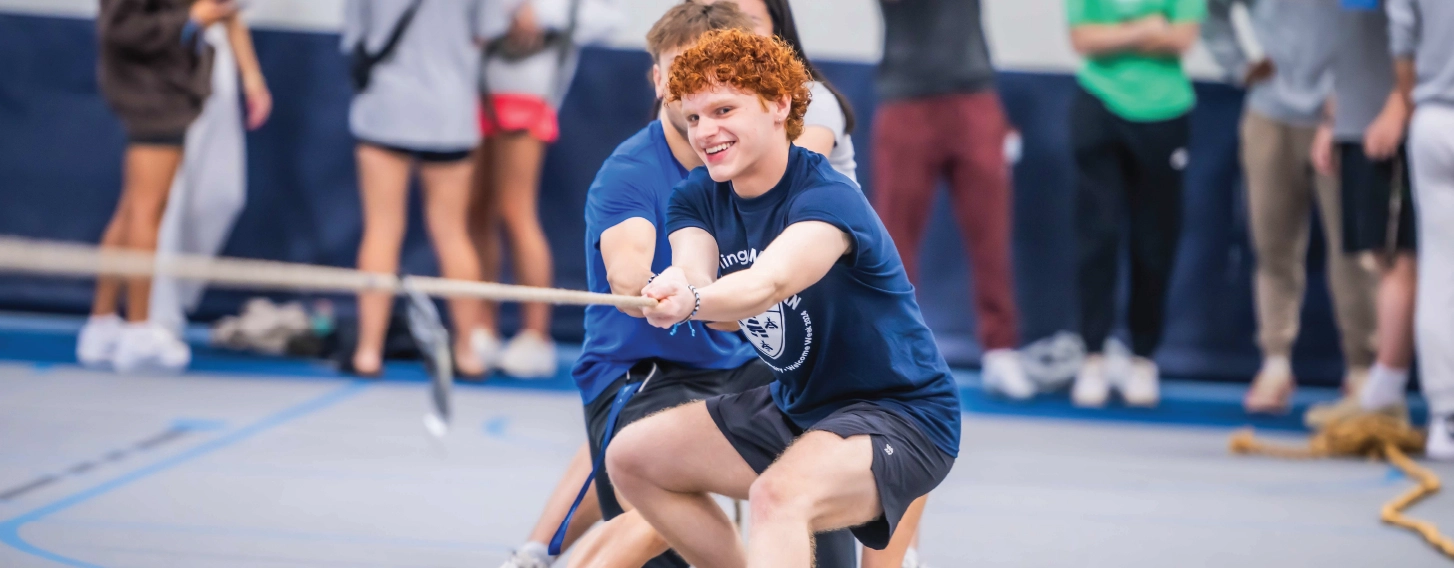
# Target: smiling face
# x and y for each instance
(731, 129)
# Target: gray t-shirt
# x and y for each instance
(1424, 30)
(933, 47)
(1362, 72)
(1295, 35)
(827, 113)
(424, 96)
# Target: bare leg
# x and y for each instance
(672, 494)
(149, 173)
(484, 226)
(518, 159)
(822, 482)
(383, 178)
(906, 536)
(108, 288)
(560, 500)
(627, 541)
(1396, 292)
(447, 192)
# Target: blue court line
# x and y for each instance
(10, 529)
(48, 340)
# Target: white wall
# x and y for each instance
(1024, 34)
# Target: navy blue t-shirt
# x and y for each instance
(637, 181)
(854, 336)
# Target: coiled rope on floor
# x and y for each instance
(1372, 436)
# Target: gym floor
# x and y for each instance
(254, 462)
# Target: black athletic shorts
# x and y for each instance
(157, 138)
(670, 385)
(425, 156)
(1371, 192)
(906, 464)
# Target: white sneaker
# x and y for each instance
(150, 348)
(1440, 446)
(1142, 386)
(1091, 387)
(528, 556)
(1003, 374)
(912, 560)
(486, 346)
(529, 356)
(96, 344)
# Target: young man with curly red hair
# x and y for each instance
(863, 417)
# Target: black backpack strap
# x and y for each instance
(364, 62)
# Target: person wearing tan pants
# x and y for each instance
(1281, 188)
(1287, 92)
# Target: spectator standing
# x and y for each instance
(1129, 128)
(155, 72)
(1423, 52)
(1286, 92)
(1378, 208)
(530, 57)
(941, 118)
(416, 111)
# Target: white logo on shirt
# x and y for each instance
(765, 330)
(888, 449)
(1179, 159)
(768, 331)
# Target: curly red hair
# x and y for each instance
(765, 66)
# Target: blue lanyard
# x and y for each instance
(622, 397)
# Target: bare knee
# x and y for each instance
(628, 459)
(773, 497)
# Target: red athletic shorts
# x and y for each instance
(520, 113)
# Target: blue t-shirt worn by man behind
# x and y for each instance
(854, 336)
(637, 181)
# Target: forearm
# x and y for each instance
(741, 295)
(1175, 41)
(240, 37)
(1405, 77)
(1093, 40)
(629, 280)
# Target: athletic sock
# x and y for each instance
(1385, 387)
(1276, 366)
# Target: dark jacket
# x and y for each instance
(153, 75)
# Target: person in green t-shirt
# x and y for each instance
(1129, 129)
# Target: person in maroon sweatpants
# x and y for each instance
(940, 118)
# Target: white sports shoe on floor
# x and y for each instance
(1005, 375)
(1440, 446)
(150, 348)
(528, 355)
(532, 555)
(486, 346)
(1142, 386)
(1091, 387)
(912, 560)
(96, 344)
